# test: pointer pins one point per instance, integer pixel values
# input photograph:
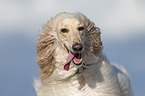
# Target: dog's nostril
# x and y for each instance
(77, 47)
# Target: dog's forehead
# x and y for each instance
(71, 21)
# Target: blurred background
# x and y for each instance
(122, 23)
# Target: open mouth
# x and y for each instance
(75, 57)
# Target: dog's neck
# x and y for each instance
(61, 56)
(96, 75)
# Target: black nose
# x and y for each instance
(77, 47)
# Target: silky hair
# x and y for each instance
(49, 40)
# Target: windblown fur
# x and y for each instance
(45, 50)
(96, 76)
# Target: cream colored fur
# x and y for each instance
(100, 78)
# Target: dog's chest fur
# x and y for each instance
(98, 80)
(79, 85)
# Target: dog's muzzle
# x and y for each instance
(74, 56)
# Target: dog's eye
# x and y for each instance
(81, 28)
(64, 30)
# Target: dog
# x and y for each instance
(72, 62)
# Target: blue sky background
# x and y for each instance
(122, 24)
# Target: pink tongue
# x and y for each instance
(70, 57)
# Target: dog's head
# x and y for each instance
(70, 32)
(75, 32)
(78, 33)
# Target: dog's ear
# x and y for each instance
(45, 50)
(93, 33)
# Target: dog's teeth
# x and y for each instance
(77, 60)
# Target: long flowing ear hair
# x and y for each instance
(45, 49)
(48, 42)
(92, 33)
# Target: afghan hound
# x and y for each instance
(72, 62)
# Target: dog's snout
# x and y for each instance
(77, 47)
